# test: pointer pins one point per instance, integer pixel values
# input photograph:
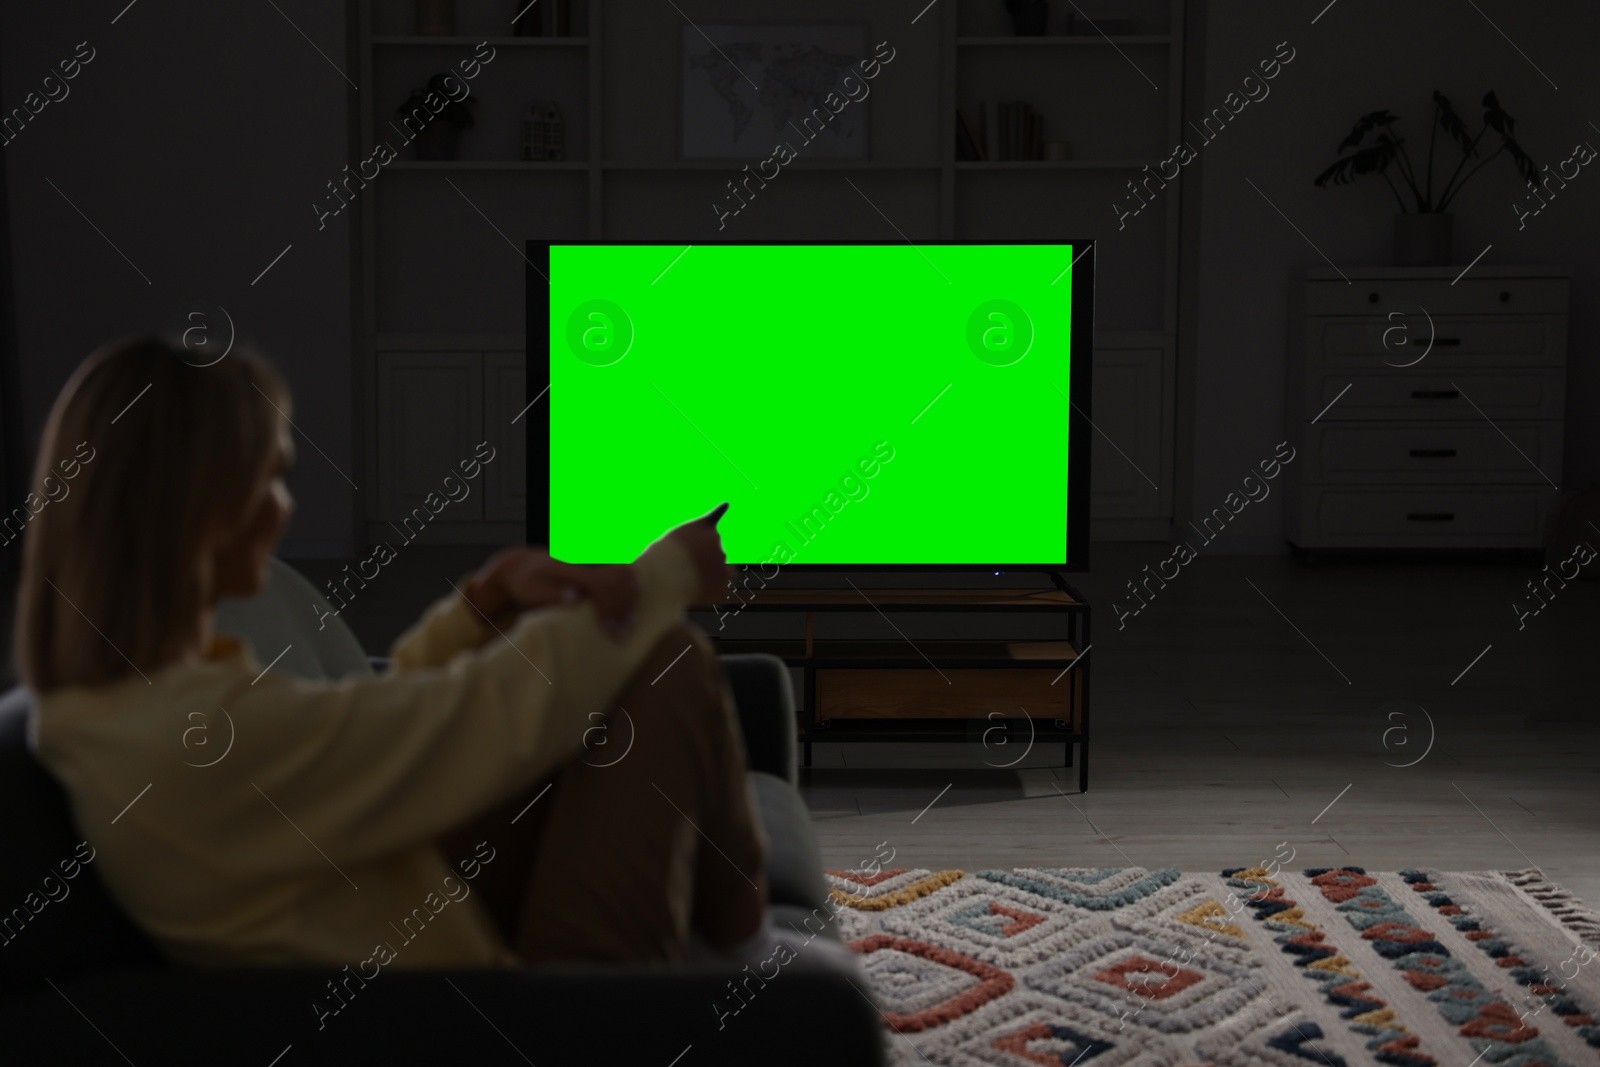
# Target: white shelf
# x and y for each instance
(498, 42)
(485, 164)
(1068, 41)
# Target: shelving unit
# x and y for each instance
(457, 291)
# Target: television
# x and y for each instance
(879, 405)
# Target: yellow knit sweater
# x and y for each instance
(311, 840)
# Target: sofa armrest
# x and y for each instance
(802, 1015)
(765, 696)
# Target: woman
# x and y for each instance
(374, 820)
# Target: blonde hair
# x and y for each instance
(117, 570)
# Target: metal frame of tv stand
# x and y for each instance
(1077, 612)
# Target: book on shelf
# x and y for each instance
(558, 18)
(1033, 138)
(551, 18)
(526, 22)
(1017, 132)
(969, 137)
(965, 149)
(991, 130)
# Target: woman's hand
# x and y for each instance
(520, 579)
(615, 592)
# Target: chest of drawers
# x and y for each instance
(1425, 407)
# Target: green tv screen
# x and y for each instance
(857, 405)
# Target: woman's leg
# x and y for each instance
(627, 853)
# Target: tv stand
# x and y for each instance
(1008, 694)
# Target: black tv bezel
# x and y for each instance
(1079, 385)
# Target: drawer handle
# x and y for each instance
(1431, 516)
(1433, 453)
(1447, 342)
(1434, 394)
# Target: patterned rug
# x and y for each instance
(1251, 966)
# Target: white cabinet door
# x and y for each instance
(1128, 447)
(505, 482)
(430, 419)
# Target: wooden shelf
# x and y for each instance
(498, 42)
(952, 654)
(1056, 41)
(890, 698)
(870, 599)
(936, 726)
(486, 164)
(934, 688)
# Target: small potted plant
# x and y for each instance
(1422, 230)
(437, 139)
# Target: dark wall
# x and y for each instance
(194, 140)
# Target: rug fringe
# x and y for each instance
(1559, 901)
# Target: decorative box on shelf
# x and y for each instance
(1425, 405)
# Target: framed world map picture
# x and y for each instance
(747, 89)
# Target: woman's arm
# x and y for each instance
(372, 765)
(513, 581)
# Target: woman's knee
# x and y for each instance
(680, 708)
(682, 660)
(683, 643)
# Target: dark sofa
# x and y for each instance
(81, 984)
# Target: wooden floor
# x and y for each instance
(1223, 728)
